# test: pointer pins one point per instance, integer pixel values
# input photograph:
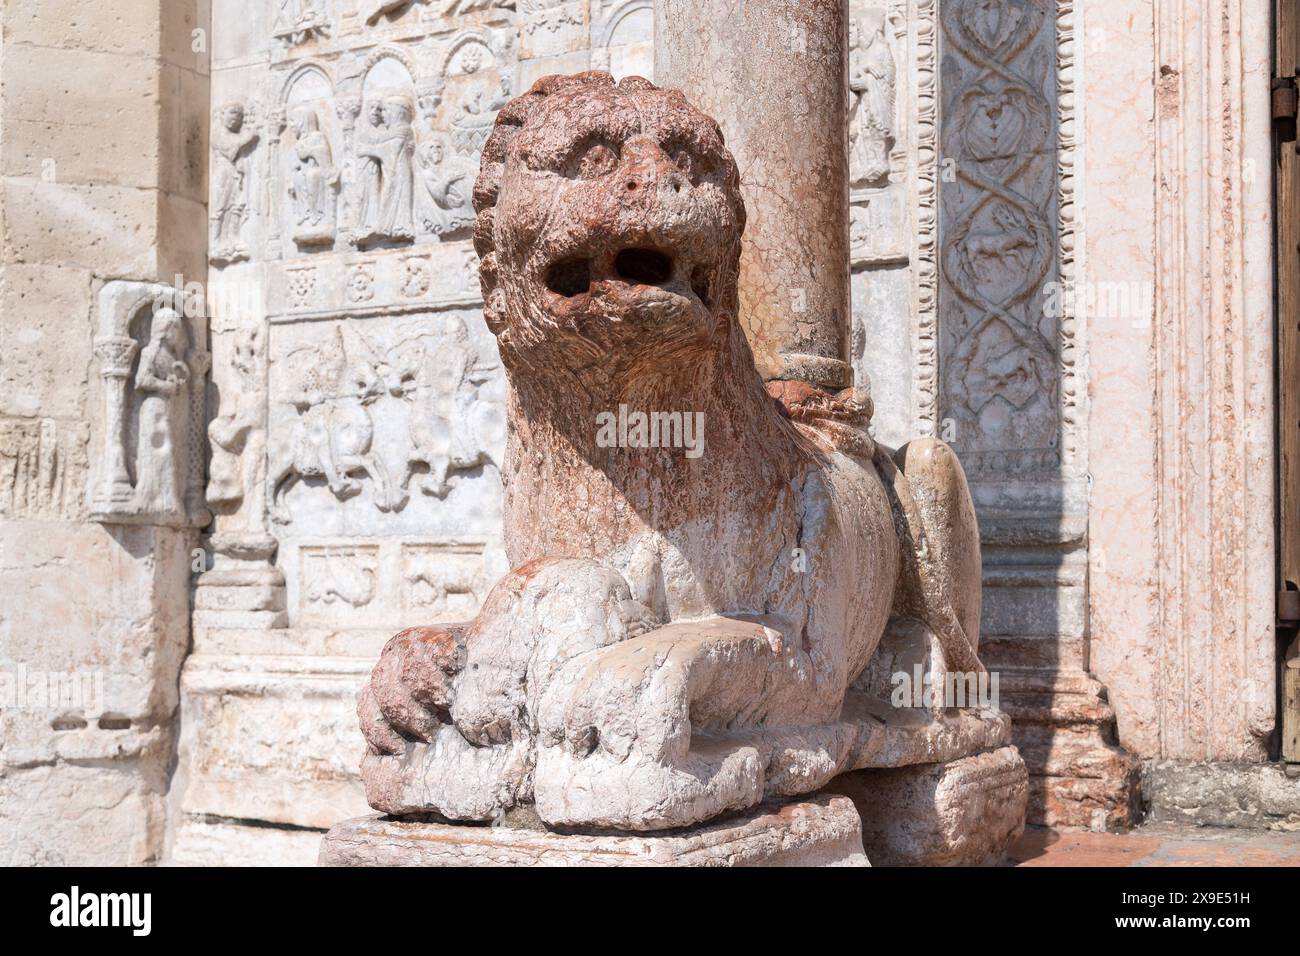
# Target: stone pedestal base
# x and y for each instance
(821, 831)
(963, 812)
(1065, 730)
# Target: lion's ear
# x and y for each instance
(494, 299)
(494, 311)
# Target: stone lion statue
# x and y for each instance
(680, 634)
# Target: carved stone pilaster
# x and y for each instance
(1008, 394)
(276, 123)
(348, 108)
(1183, 603)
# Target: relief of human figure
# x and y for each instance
(873, 82)
(237, 436)
(386, 149)
(311, 188)
(449, 182)
(231, 149)
(161, 380)
(332, 436)
(369, 172)
(439, 378)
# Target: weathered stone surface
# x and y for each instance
(1191, 678)
(45, 350)
(465, 781)
(105, 179)
(966, 812)
(1221, 794)
(819, 832)
(349, 565)
(108, 811)
(94, 621)
(659, 681)
(255, 727)
(1065, 731)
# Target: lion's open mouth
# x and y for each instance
(644, 266)
(633, 266)
(569, 277)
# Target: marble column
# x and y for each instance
(774, 73)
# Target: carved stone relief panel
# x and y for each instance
(999, 235)
(298, 22)
(379, 388)
(887, 62)
(336, 581)
(308, 170)
(873, 86)
(43, 466)
(550, 28)
(237, 434)
(388, 583)
(444, 581)
(382, 404)
(152, 362)
(374, 425)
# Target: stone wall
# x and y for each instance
(102, 181)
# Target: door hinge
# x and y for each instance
(1286, 99)
(1288, 607)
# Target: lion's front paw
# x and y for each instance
(628, 695)
(409, 691)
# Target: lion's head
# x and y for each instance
(609, 224)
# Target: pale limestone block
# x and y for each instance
(181, 249)
(108, 602)
(881, 349)
(255, 729)
(100, 127)
(45, 343)
(43, 468)
(183, 132)
(99, 814)
(109, 230)
(130, 29)
(178, 22)
(241, 30)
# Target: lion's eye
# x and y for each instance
(598, 160)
